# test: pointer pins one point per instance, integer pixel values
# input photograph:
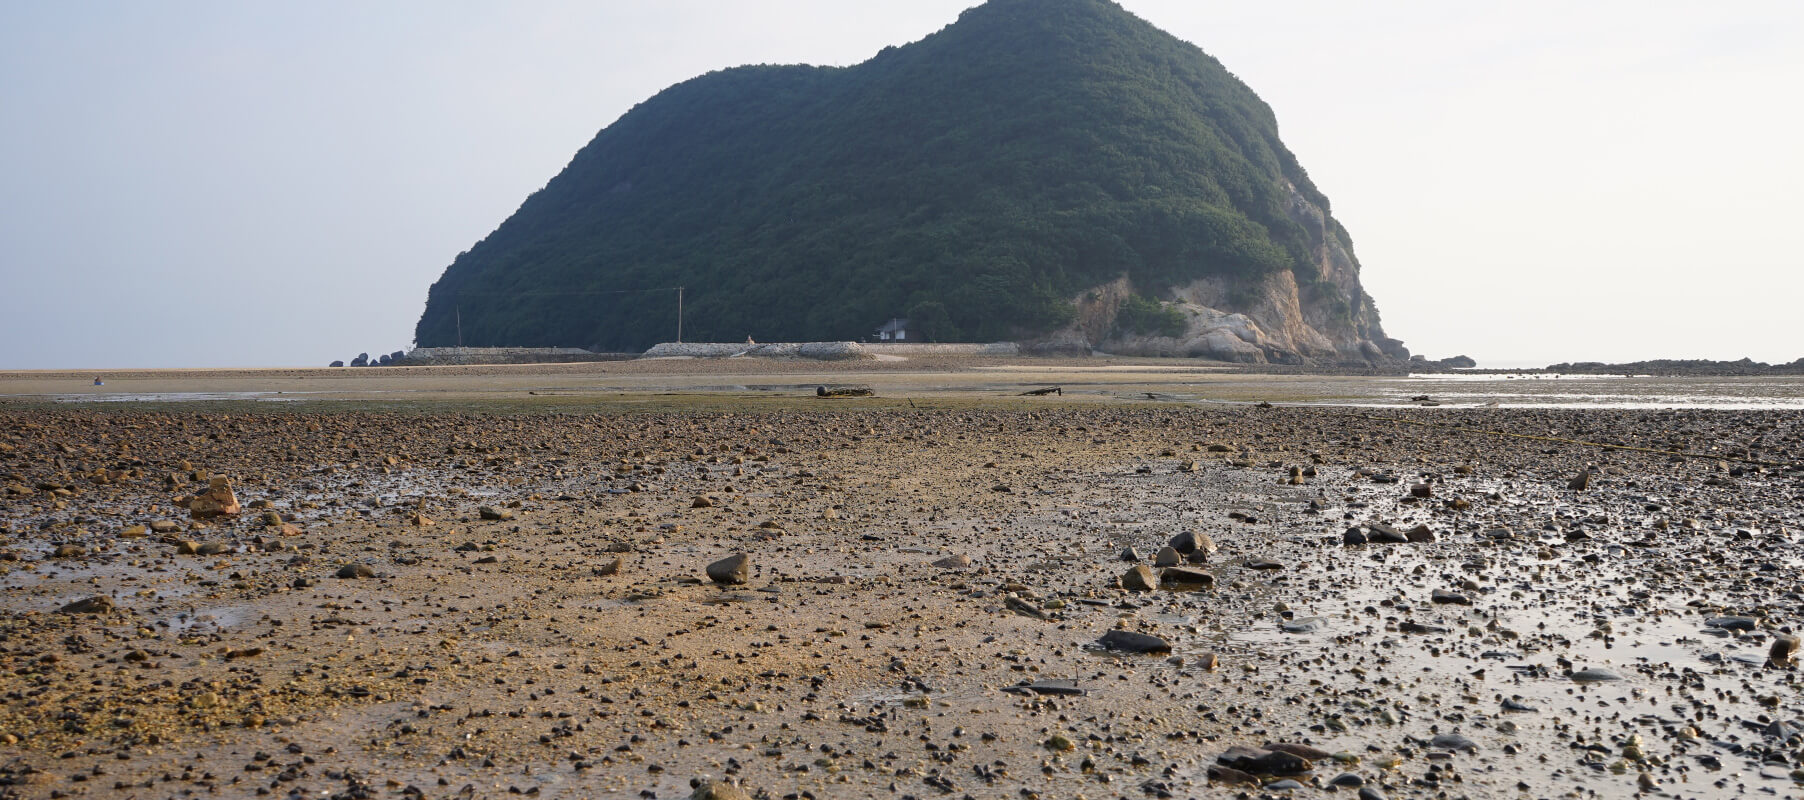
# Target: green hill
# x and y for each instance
(979, 180)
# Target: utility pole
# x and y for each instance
(679, 315)
(460, 326)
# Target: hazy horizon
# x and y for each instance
(204, 184)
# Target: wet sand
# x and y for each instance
(568, 641)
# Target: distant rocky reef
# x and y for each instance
(1667, 366)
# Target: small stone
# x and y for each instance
(494, 514)
(1129, 555)
(1445, 597)
(1420, 534)
(1421, 490)
(1595, 675)
(731, 571)
(1299, 750)
(212, 549)
(1454, 742)
(350, 571)
(204, 700)
(1264, 564)
(1230, 776)
(1580, 482)
(1347, 780)
(1208, 661)
(1025, 608)
(1286, 785)
(1139, 579)
(133, 532)
(68, 551)
(1059, 743)
(1386, 534)
(1370, 793)
(610, 568)
(953, 562)
(701, 502)
(1732, 623)
(1353, 535)
(1053, 686)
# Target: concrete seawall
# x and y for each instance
(435, 356)
(819, 351)
(826, 351)
(948, 349)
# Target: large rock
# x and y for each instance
(1264, 762)
(99, 604)
(1190, 542)
(731, 571)
(718, 790)
(1186, 578)
(1131, 642)
(1139, 579)
(217, 501)
(1784, 650)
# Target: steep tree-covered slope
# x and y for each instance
(979, 180)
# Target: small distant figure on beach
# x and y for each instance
(748, 339)
(99, 382)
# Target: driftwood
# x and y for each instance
(843, 391)
(1058, 390)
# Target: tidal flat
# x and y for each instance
(479, 595)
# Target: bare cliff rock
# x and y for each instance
(1281, 318)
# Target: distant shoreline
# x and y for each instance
(1652, 368)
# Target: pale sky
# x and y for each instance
(277, 183)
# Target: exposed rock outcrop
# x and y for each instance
(1324, 318)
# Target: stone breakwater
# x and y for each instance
(1032, 598)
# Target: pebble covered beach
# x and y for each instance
(1057, 596)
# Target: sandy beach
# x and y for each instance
(479, 582)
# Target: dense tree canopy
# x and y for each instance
(982, 176)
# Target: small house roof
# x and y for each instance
(895, 324)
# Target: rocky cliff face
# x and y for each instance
(1278, 319)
